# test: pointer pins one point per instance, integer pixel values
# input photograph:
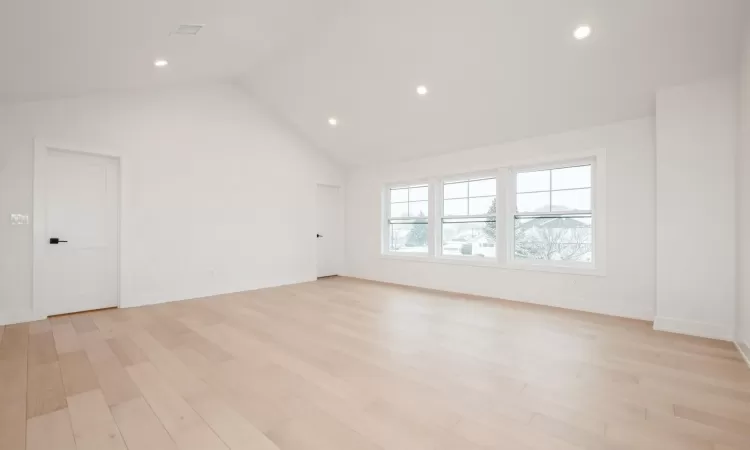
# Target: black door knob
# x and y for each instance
(55, 240)
(320, 235)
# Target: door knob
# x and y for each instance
(319, 235)
(55, 240)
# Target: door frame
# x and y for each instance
(41, 146)
(342, 223)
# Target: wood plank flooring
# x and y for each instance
(349, 364)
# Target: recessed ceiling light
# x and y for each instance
(422, 90)
(161, 62)
(333, 121)
(582, 32)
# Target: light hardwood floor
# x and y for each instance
(348, 364)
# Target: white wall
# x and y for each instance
(628, 289)
(696, 142)
(743, 203)
(213, 192)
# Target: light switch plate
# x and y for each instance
(19, 219)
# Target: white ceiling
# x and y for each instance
(497, 70)
(53, 48)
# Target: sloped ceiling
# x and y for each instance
(497, 70)
(56, 48)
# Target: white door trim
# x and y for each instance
(341, 220)
(39, 221)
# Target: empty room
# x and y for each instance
(375, 225)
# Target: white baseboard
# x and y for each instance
(744, 348)
(694, 328)
(215, 293)
(626, 314)
(27, 315)
(13, 317)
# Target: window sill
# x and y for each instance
(552, 268)
(423, 258)
(475, 262)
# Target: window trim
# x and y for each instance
(440, 207)
(505, 177)
(386, 218)
(511, 213)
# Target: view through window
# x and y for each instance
(408, 212)
(469, 221)
(553, 217)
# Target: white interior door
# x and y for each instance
(330, 233)
(77, 258)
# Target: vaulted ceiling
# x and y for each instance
(496, 70)
(53, 48)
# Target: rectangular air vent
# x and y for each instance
(187, 30)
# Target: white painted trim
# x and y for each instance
(216, 293)
(744, 349)
(642, 316)
(39, 221)
(440, 217)
(504, 247)
(475, 175)
(424, 258)
(13, 317)
(598, 161)
(341, 199)
(491, 264)
(551, 266)
(693, 328)
(385, 237)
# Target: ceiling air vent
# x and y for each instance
(187, 30)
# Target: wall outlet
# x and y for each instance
(19, 219)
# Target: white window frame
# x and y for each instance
(505, 176)
(534, 264)
(386, 214)
(440, 200)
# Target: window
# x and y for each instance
(553, 215)
(469, 219)
(408, 211)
